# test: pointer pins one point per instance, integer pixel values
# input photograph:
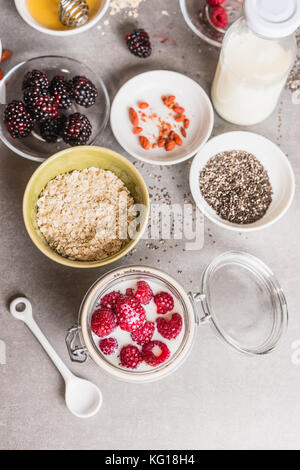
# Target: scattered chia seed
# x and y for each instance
(236, 186)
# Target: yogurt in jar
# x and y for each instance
(124, 337)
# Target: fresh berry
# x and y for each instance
(139, 43)
(130, 356)
(219, 17)
(50, 130)
(60, 89)
(215, 3)
(17, 119)
(31, 93)
(155, 353)
(143, 293)
(41, 107)
(130, 314)
(164, 302)
(143, 335)
(108, 345)
(35, 78)
(84, 91)
(169, 329)
(103, 322)
(110, 300)
(77, 129)
(129, 292)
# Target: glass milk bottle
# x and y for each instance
(256, 57)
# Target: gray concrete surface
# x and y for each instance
(218, 399)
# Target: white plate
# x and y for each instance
(272, 158)
(150, 87)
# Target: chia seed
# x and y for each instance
(237, 186)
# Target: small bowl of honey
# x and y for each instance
(43, 15)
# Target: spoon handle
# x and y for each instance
(63, 369)
(25, 315)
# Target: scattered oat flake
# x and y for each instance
(116, 6)
(165, 13)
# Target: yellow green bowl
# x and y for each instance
(78, 158)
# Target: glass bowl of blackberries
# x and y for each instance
(50, 103)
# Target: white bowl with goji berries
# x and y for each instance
(138, 323)
(162, 117)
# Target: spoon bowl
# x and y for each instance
(83, 398)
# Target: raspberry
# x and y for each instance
(143, 293)
(110, 300)
(130, 356)
(155, 353)
(144, 334)
(164, 302)
(169, 329)
(108, 345)
(219, 17)
(215, 3)
(103, 322)
(130, 314)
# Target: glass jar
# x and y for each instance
(238, 296)
(257, 54)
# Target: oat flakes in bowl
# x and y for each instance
(80, 214)
(79, 204)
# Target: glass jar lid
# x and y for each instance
(244, 302)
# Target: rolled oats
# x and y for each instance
(84, 215)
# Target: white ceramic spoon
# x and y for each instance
(83, 398)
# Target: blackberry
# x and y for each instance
(51, 129)
(77, 129)
(35, 78)
(42, 107)
(17, 119)
(60, 89)
(139, 43)
(31, 93)
(84, 91)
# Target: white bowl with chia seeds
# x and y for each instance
(279, 173)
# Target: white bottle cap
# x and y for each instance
(273, 18)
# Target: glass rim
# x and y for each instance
(271, 285)
(101, 129)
